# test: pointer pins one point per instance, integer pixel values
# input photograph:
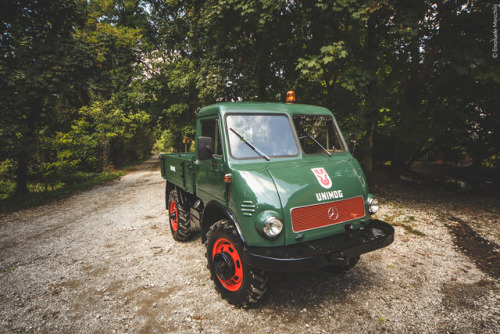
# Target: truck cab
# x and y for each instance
(272, 187)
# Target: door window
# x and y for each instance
(210, 128)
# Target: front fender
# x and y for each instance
(215, 211)
(252, 192)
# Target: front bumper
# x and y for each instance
(334, 250)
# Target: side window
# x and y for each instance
(210, 128)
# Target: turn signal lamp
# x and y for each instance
(290, 96)
(227, 178)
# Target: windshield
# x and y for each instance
(318, 134)
(272, 135)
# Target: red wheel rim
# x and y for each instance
(224, 245)
(173, 221)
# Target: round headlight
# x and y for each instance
(372, 205)
(273, 227)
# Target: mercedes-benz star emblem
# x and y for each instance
(333, 213)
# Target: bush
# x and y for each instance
(7, 189)
(104, 137)
(7, 170)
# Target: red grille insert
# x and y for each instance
(326, 214)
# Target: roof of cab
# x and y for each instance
(262, 107)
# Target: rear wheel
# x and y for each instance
(180, 225)
(237, 282)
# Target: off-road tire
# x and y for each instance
(178, 217)
(247, 285)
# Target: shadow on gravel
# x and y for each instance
(429, 191)
(465, 295)
(292, 292)
(482, 252)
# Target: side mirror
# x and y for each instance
(352, 143)
(205, 151)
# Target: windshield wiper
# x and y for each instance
(259, 152)
(314, 139)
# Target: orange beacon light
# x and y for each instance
(290, 96)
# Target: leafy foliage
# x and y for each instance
(66, 71)
(89, 86)
(103, 136)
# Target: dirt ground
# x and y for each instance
(103, 261)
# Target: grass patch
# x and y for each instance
(9, 202)
(406, 224)
(410, 229)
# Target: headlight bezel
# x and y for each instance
(269, 224)
(373, 205)
(273, 226)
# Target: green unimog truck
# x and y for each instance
(272, 187)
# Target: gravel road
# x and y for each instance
(103, 261)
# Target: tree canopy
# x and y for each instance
(91, 85)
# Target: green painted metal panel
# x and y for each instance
(177, 168)
(279, 185)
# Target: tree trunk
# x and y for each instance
(371, 125)
(410, 105)
(371, 111)
(25, 148)
(22, 173)
(262, 88)
(418, 74)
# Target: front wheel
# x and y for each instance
(237, 282)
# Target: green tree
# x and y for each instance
(38, 58)
(218, 51)
(444, 60)
(419, 72)
(103, 136)
(58, 57)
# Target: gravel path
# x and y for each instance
(103, 261)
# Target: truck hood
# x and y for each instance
(306, 184)
(314, 183)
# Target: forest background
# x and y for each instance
(87, 87)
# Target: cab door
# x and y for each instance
(210, 172)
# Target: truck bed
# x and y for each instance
(177, 169)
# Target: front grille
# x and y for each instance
(326, 214)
